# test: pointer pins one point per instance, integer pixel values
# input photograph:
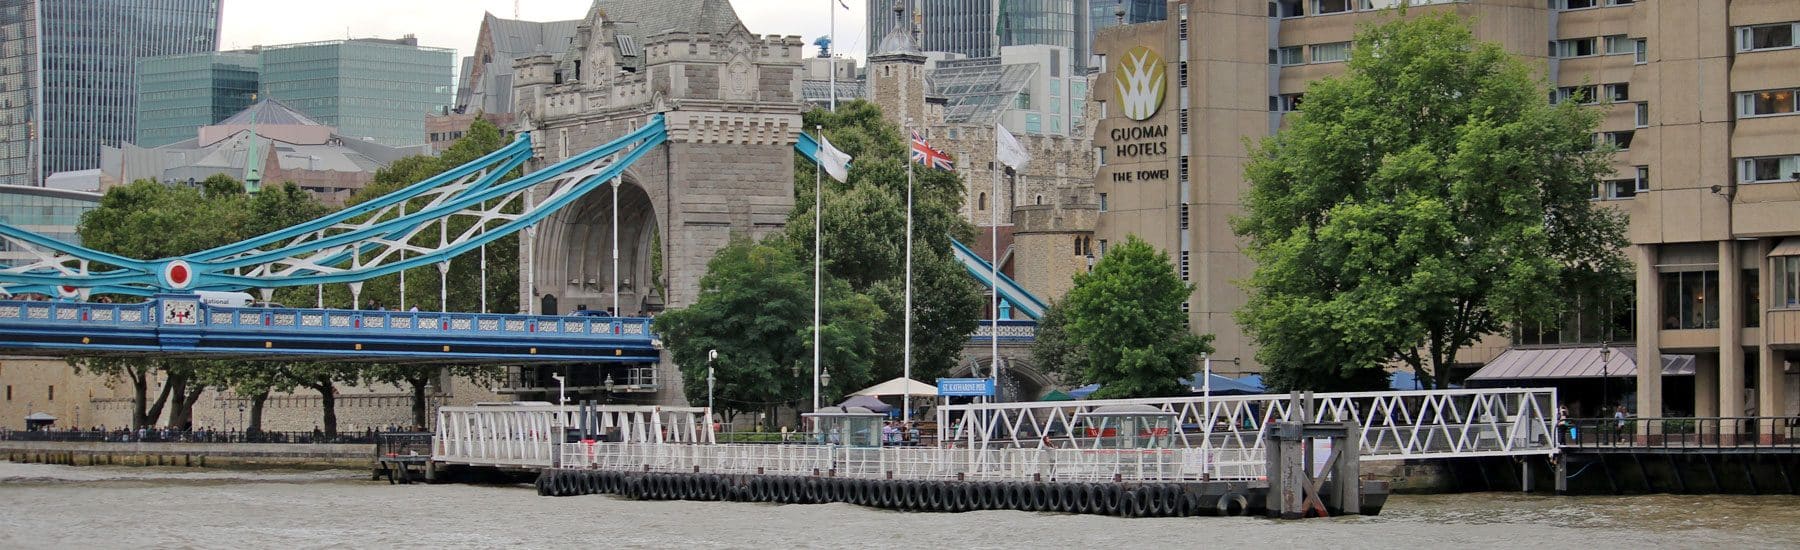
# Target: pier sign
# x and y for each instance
(965, 387)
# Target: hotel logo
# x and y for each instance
(1142, 82)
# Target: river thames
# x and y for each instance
(44, 506)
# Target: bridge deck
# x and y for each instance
(180, 325)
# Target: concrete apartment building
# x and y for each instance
(1698, 93)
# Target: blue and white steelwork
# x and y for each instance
(359, 243)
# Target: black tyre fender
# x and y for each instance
(1130, 506)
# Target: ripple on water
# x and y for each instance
(58, 506)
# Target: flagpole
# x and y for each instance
(906, 399)
(831, 64)
(818, 261)
(994, 283)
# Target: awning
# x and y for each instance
(1788, 247)
(900, 386)
(40, 417)
(1574, 362)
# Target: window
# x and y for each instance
(1643, 115)
(1643, 179)
(1290, 55)
(1286, 8)
(1620, 44)
(9, 392)
(1618, 189)
(1766, 102)
(1768, 169)
(1184, 121)
(1285, 102)
(1766, 37)
(1100, 156)
(1034, 123)
(1184, 216)
(1183, 170)
(1103, 202)
(1752, 293)
(1573, 4)
(981, 201)
(1102, 247)
(1184, 265)
(1621, 139)
(1023, 101)
(1576, 47)
(1786, 283)
(1580, 94)
(1690, 299)
(1184, 73)
(1321, 7)
(1618, 92)
(1620, 2)
(52, 393)
(1331, 53)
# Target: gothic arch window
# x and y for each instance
(981, 201)
(1040, 199)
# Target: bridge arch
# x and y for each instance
(575, 250)
(1019, 379)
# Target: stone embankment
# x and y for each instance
(301, 456)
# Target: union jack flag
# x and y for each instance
(923, 154)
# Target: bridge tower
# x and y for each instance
(733, 107)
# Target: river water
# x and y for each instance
(44, 506)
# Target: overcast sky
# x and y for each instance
(453, 23)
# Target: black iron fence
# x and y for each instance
(196, 436)
(1742, 433)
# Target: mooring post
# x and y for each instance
(1285, 462)
(1347, 471)
(1562, 473)
(1525, 475)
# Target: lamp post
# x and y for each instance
(241, 426)
(562, 397)
(609, 388)
(1606, 357)
(711, 380)
(825, 377)
(1206, 382)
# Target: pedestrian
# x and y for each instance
(1619, 420)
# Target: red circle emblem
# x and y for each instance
(68, 291)
(177, 275)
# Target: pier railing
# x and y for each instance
(921, 463)
(1394, 425)
(1682, 434)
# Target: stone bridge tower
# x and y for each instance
(733, 107)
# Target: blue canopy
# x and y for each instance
(1084, 391)
(1252, 380)
(1222, 386)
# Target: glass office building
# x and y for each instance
(1106, 13)
(53, 213)
(366, 88)
(978, 28)
(68, 75)
(180, 93)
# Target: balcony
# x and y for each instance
(1783, 328)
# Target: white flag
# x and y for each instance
(834, 162)
(1008, 151)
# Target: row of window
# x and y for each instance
(1617, 44)
(1321, 53)
(1585, 4)
(1302, 8)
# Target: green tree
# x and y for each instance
(417, 378)
(1424, 199)
(865, 240)
(150, 220)
(1051, 347)
(324, 377)
(1125, 325)
(755, 308)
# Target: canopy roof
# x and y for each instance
(40, 417)
(867, 402)
(1574, 362)
(900, 386)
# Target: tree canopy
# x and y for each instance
(755, 309)
(1422, 200)
(1122, 327)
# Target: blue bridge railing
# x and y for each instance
(181, 323)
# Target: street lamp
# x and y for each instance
(562, 397)
(1605, 357)
(609, 388)
(711, 380)
(825, 377)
